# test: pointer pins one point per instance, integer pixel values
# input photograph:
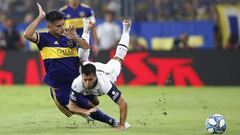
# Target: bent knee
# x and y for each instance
(95, 102)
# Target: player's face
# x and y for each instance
(74, 2)
(89, 80)
(57, 28)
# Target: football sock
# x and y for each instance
(86, 36)
(100, 116)
(86, 30)
(122, 47)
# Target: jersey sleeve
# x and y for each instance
(106, 85)
(74, 96)
(114, 93)
(41, 40)
(76, 89)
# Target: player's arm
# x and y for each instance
(74, 108)
(81, 43)
(74, 99)
(115, 95)
(71, 34)
(30, 31)
(123, 112)
(72, 105)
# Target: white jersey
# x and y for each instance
(111, 69)
(102, 87)
(106, 76)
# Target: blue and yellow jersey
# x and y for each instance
(60, 61)
(74, 16)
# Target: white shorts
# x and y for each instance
(112, 69)
(115, 68)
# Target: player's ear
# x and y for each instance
(49, 25)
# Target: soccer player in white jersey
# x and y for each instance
(98, 79)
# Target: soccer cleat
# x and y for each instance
(126, 26)
(116, 123)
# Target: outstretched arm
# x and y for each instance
(30, 31)
(73, 107)
(123, 112)
(116, 96)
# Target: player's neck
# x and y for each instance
(56, 36)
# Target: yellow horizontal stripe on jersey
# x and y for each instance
(58, 52)
(76, 22)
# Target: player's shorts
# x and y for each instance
(112, 69)
(61, 99)
(115, 68)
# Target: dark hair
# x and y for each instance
(89, 69)
(54, 15)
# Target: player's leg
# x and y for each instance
(83, 102)
(84, 54)
(122, 47)
(93, 99)
(115, 69)
(61, 99)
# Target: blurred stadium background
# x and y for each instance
(174, 43)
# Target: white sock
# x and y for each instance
(83, 54)
(86, 37)
(122, 47)
(124, 39)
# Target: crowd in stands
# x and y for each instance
(24, 11)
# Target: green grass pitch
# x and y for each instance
(152, 111)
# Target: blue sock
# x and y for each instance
(100, 116)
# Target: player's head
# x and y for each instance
(74, 2)
(55, 21)
(89, 75)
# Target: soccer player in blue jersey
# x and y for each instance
(58, 49)
(74, 13)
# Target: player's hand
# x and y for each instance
(42, 14)
(88, 112)
(120, 128)
(71, 33)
